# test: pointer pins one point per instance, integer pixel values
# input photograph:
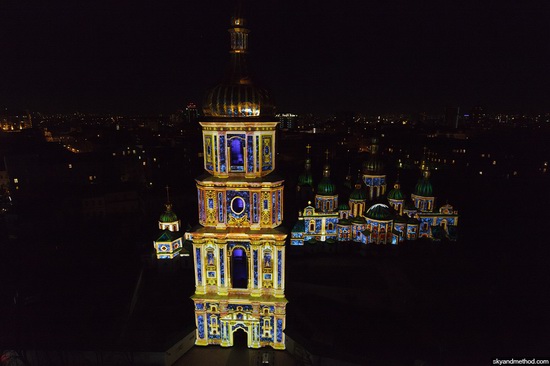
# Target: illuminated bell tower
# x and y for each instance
(238, 250)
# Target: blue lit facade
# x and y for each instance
(169, 243)
(371, 218)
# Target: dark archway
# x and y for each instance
(240, 338)
(239, 265)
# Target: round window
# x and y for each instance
(237, 205)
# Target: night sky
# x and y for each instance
(140, 56)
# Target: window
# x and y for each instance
(312, 226)
(239, 265)
(237, 205)
(330, 226)
(236, 154)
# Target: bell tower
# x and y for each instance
(238, 249)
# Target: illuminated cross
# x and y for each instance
(327, 153)
(308, 146)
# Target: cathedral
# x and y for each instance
(371, 215)
(238, 248)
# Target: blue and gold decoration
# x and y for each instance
(239, 249)
(380, 223)
(169, 243)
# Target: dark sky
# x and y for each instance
(319, 56)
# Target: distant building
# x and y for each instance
(287, 121)
(191, 113)
(15, 122)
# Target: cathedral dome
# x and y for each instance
(237, 96)
(395, 193)
(379, 211)
(358, 194)
(240, 99)
(373, 165)
(423, 187)
(306, 179)
(168, 215)
(326, 187)
(343, 206)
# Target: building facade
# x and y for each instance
(238, 249)
(371, 216)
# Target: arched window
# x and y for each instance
(312, 226)
(330, 226)
(236, 153)
(239, 268)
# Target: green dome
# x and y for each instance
(379, 212)
(358, 193)
(373, 165)
(358, 220)
(343, 206)
(423, 187)
(305, 179)
(395, 193)
(326, 187)
(168, 215)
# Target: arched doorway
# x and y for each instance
(239, 268)
(240, 338)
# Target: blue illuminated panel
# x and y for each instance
(202, 214)
(279, 218)
(233, 307)
(222, 154)
(279, 330)
(210, 319)
(220, 207)
(257, 153)
(262, 338)
(200, 320)
(236, 148)
(250, 153)
(199, 265)
(222, 268)
(255, 254)
(216, 152)
(255, 216)
(273, 208)
(279, 267)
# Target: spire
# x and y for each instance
(239, 34)
(168, 205)
(326, 169)
(306, 177)
(359, 181)
(424, 166)
(396, 185)
(238, 69)
(167, 194)
(308, 157)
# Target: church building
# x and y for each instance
(370, 215)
